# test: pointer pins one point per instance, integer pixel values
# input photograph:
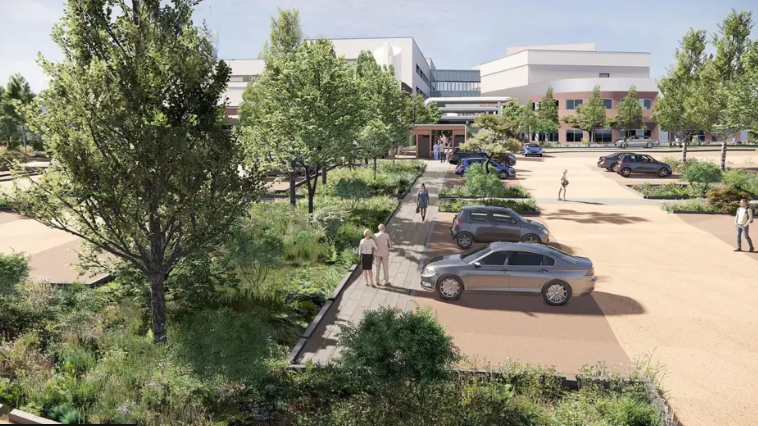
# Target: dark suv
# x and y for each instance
(485, 224)
(639, 163)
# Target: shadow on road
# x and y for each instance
(593, 217)
(532, 304)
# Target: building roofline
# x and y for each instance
(565, 51)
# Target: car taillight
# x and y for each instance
(602, 158)
(590, 273)
(457, 222)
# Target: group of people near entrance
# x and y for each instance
(439, 149)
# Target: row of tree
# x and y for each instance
(310, 109)
(14, 96)
(712, 92)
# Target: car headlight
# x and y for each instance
(428, 272)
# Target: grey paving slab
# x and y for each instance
(408, 235)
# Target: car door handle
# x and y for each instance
(544, 271)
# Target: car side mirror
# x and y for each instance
(477, 264)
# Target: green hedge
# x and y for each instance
(455, 205)
(666, 190)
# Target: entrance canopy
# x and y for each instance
(425, 137)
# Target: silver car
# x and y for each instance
(637, 140)
(511, 267)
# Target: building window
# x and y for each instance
(646, 103)
(573, 103)
(605, 75)
(574, 135)
(635, 132)
(535, 106)
(700, 136)
(603, 135)
(608, 103)
(422, 75)
(552, 137)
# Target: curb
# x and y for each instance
(693, 212)
(452, 197)
(347, 278)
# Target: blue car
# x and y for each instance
(532, 149)
(503, 172)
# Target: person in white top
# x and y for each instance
(366, 250)
(383, 244)
(742, 222)
(564, 184)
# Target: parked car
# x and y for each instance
(486, 224)
(532, 149)
(511, 267)
(455, 156)
(503, 172)
(609, 162)
(636, 140)
(640, 163)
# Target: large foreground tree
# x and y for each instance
(497, 134)
(146, 168)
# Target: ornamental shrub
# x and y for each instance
(392, 346)
(726, 199)
(702, 175)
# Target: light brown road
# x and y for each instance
(698, 296)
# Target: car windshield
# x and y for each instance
(533, 145)
(466, 257)
(517, 216)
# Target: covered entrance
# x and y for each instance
(425, 135)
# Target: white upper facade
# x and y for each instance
(548, 65)
(411, 68)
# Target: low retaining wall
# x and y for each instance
(352, 272)
(22, 418)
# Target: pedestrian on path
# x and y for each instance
(366, 249)
(564, 184)
(383, 244)
(436, 149)
(443, 152)
(742, 221)
(423, 201)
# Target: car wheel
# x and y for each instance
(649, 145)
(464, 240)
(663, 172)
(626, 171)
(540, 155)
(556, 293)
(503, 174)
(450, 287)
(612, 167)
(531, 238)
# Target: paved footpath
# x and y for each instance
(409, 237)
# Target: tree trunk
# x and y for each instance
(365, 161)
(293, 187)
(158, 306)
(374, 168)
(323, 176)
(723, 155)
(26, 143)
(684, 150)
(311, 188)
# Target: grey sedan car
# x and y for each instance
(639, 163)
(637, 140)
(511, 267)
(484, 224)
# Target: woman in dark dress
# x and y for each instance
(366, 250)
(423, 201)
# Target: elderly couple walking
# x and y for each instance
(377, 247)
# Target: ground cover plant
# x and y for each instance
(455, 205)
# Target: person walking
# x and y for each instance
(742, 222)
(436, 149)
(423, 201)
(564, 184)
(366, 250)
(383, 244)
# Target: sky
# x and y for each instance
(456, 34)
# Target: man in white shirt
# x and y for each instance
(742, 221)
(564, 183)
(382, 240)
